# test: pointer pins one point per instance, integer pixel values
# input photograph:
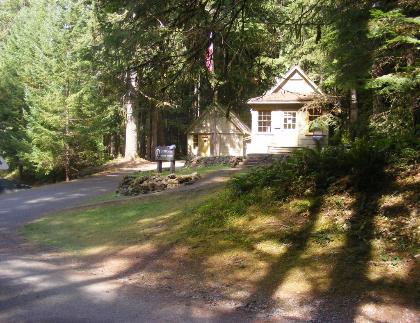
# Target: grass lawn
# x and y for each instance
(246, 251)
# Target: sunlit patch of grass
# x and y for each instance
(112, 226)
(300, 205)
(271, 247)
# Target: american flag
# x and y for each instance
(209, 55)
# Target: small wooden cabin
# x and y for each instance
(218, 133)
(279, 124)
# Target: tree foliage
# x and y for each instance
(64, 68)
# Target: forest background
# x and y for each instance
(82, 82)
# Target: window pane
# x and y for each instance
(314, 113)
(289, 120)
(195, 141)
(264, 121)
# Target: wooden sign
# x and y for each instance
(165, 153)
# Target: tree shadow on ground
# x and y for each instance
(349, 284)
(349, 276)
(266, 287)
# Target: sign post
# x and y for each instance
(165, 153)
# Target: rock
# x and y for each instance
(143, 188)
(184, 179)
(134, 185)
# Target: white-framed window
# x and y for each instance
(289, 120)
(264, 121)
(195, 141)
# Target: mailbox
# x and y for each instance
(317, 135)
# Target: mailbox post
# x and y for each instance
(318, 136)
(165, 153)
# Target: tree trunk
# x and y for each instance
(131, 145)
(67, 137)
(353, 106)
(149, 133)
(67, 159)
(20, 170)
(214, 144)
(154, 132)
(113, 145)
(353, 113)
(196, 98)
(67, 149)
(142, 133)
(161, 139)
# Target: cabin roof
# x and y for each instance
(232, 117)
(280, 94)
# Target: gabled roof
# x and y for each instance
(294, 87)
(232, 117)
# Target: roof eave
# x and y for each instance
(279, 102)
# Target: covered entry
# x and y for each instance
(203, 144)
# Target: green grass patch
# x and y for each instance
(111, 226)
(112, 196)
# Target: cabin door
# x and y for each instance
(286, 133)
(204, 145)
(290, 128)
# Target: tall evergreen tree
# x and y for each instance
(12, 103)
(64, 115)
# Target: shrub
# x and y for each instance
(307, 171)
(292, 177)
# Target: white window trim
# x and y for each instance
(271, 123)
(296, 123)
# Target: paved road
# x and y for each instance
(46, 287)
(20, 207)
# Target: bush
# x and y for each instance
(308, 171)
(291, 177)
